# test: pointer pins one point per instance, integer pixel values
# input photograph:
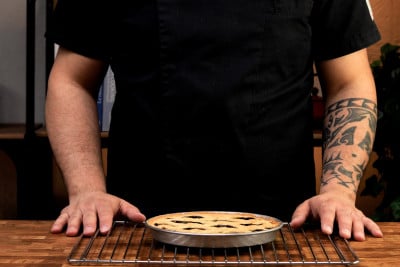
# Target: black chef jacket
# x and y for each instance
(213, 107)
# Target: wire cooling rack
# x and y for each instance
(131, 243)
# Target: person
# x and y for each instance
(213, 109)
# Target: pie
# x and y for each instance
(213, 222)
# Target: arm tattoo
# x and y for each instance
(345, 121)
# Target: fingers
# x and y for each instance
(72, 222)
(77, 216)
(373, 228)
(355, 224)
(59, 224)
(351, 221)
(89, 222)
(327, 216)
(106, 215)
(94, 211)
(323, 211)
(358, 230)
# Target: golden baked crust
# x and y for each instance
(210, 222)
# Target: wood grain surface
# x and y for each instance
(29, 243)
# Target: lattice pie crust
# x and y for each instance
(205, 222)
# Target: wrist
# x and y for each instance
(338, 189)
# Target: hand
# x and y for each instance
(92, 209)
(331, 206)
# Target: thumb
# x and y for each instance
(300, 215)
(131, 212)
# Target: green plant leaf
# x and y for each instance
(395, 206)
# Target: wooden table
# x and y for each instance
(29, 243)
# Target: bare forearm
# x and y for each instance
(71, 121)
(349, 132)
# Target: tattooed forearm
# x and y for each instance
(343, 121)
(334, 170)
(348, 137)
(366, 143)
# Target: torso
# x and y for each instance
(218, 97)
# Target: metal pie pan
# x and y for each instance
(215, 240)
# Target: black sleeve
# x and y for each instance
(341, 27)
(82, 26)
